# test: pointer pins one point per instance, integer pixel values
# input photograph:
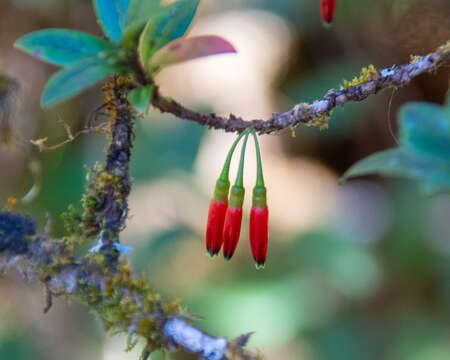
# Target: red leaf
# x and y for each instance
(186, 49)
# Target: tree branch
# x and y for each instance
(369, 83)
(122, 301)
(106, 201)
(100, 279)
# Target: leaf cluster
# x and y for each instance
(142, 36)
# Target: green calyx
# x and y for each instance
(237, 197)
(223, 183)
(221, 190)
(259, 191)
(259, 199)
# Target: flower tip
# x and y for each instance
(227, 256)
(260, 265)
(327, 24)
(212, 254)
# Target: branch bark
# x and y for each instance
(315, 113)
(106, 201)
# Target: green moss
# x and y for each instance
(366, 74)
(321, 121)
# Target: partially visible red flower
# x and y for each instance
(259, 234)
(214, 227)
(328, 8)
(231, 231)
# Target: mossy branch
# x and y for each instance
(101, 279)
(123, 301)
(369, 82)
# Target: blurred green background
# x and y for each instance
(354, 271)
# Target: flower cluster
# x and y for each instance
(225, 210)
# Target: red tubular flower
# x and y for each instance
(259, 216)
(259, 234)
(214, 227)
(231, 231)
(328, 8)
(218, 205)
(233, 217)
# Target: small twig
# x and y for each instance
(40, 143)
(389, 117)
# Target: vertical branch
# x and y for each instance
(106, 200)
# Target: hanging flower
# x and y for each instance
(259, 216)
(219, 205)
(233, 217)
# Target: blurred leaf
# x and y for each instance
(140, 98)
(423, 153)
(157, 249)
(72, 80)
(435, 175)
(112, 16)
(349, 338)
(61, 46)
(19, 348)
(335, 259)
(183, 49)
(417, 335)
(164, 24)
(63, 173)
(275, 309)
(411, 254)
(162, 148)
(425, 128)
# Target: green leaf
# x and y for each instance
(112, 16)
(145, 47)
(72, 80)
(61, 46)
(167, 22)
(433, 174)
(141, 10)
(186, 49)
(424, 151)
(140, 98)
(425, 128)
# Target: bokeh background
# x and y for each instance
(355, 271)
